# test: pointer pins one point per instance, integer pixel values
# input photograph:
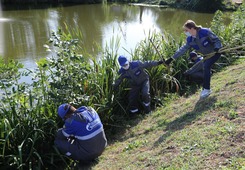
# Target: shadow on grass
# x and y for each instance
(86, 166)
(118, 130)
(186, 119)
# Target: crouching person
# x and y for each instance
(135, 72)
(196, 72)
(82, 138)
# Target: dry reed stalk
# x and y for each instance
(222, 50)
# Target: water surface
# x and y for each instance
(23, 32)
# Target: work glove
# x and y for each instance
(168, 61)
(216, 50)
(160, 62)
(71, 139)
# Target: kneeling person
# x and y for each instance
(196, 72)
(82, 138)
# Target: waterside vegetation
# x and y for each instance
(28, 112)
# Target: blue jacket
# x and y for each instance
(136, 73)
(205, 42)
(84, 124)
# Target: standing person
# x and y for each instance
(139, 82)
(195, 73)
(82, 138)
(204, 41)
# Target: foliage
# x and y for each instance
(231, 35)
(28, 118)
(77, 80)
(27, 124)
(209, 6)
(157, 47)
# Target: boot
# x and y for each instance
(148, 109)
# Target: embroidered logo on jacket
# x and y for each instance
(137, 73)
(90, 126)
(205, 43)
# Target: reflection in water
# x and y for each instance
(128, 27)
(22, 38)
(141, 13)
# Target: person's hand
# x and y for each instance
(160, 62)
(71, 139)
(168, 61)
(216, 50)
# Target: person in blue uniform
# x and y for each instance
(82, 138)
(195, 73)
(135, 72)
(203, 41)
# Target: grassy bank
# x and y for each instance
(187, 133)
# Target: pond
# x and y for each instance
(23, 32)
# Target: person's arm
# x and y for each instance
(181, 51)
(178, 53)
(149, 64)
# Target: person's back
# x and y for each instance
(82, 137)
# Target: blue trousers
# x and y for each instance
(82, 150)
(207, 70)
(144, 90)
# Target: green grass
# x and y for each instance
(187, 133)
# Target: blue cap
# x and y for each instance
(122, 60)
(63, 109)
(192, 54)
